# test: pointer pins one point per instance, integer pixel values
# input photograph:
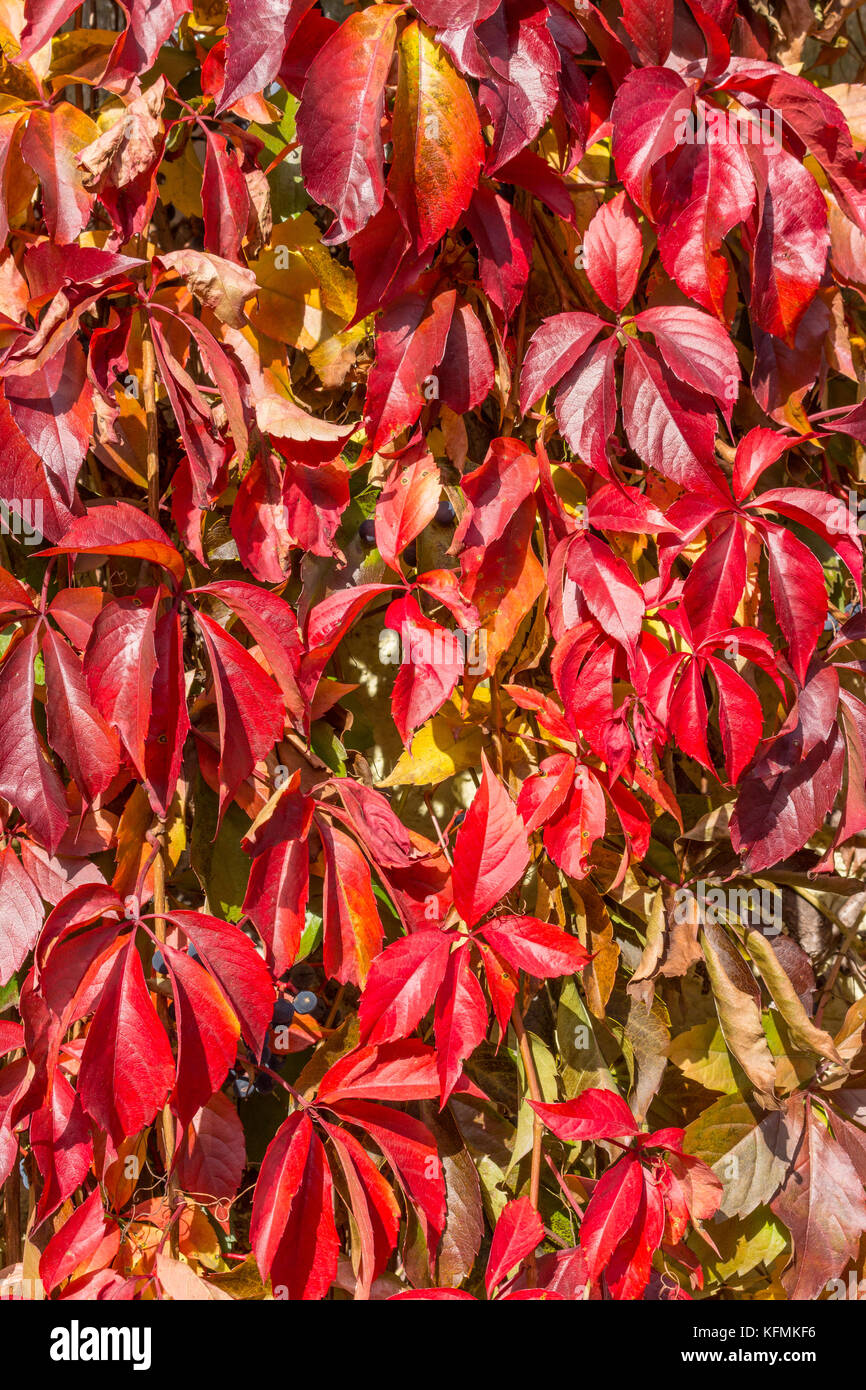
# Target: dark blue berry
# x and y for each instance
(264, 1084)
(305, 1002)
(158, 963)
(284, 1012)
(367, 532)
(444, 513)
(192, 952)
(242, 1087)
(410, 554)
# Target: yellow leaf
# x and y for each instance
(305, 295)
(438, 751)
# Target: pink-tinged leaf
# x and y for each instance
(42, 20)
(352, 927)
(257, 38)
(494, 492)
(586, 404)
(646, 113)
(292, 1228)
(518, 1231)
(540, 948)
(669, 425)
(614, 1204)
(62, 1147)
(459, 1019)
(211, 1154)
(756, 451)
(27, 778)
(491, 851)
(119, 668)
(799, 595)
(466, 373)
(249, 707)
(612, 251)
(594, 1114)
(402, 985)
(127, 1067)
(650, 26)
(78, 1238)
(207, 1034)
(232, 959)
(708, 190)
(432, 663)
(120, 529)
(504, 244)
(790, 250)
(342, 158)
(410, 342)
(21, 914)
(696, 349)
(438, 149)
(76, 730)
(523, 93)
(612, 593)
(53, 409)
(407, 503)
(553, 350)
(273, 625)
(54, 136)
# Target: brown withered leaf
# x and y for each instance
(738, 1004)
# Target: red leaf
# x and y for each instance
(21, 912)
(238, 969)
(594, 1114)
(402, 985)
(432, 663)
(249, 707)
(353, 930)
(518, 1231)
(127, 1068)
(76, 731)
(410, 342)
(459, 1021)
(614, 1205)
(120, 529)
(78, 1238)
(540, 948)
(342, 150)
(119, 668)
(292, 1228)
(612, 252)
(207, 1034)
(491, 851)
(257, 37)
(407, 502)
(27, 778)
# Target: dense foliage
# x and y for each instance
(432, 708)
